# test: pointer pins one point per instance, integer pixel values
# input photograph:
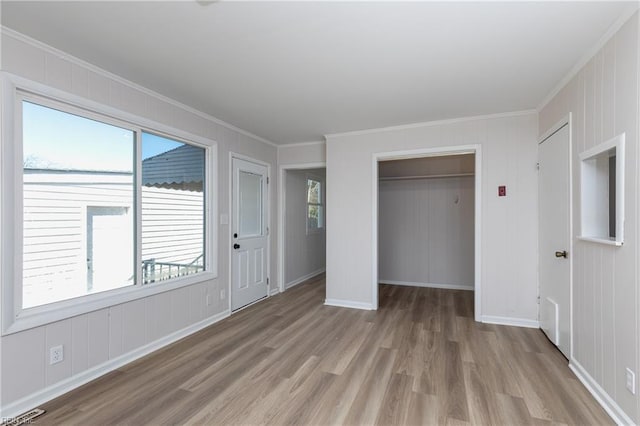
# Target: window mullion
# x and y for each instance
(138, 208)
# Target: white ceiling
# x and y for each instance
(294, 71)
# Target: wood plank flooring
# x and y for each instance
(419, 360)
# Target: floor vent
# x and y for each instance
(23, 419)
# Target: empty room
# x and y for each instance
(319, 213)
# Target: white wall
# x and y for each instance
(509, 231)
(304, 253)
(308, 152)
(426, 232)
(603, 100)
(95, 339)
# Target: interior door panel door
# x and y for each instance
(554, 239)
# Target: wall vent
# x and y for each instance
(23, 419)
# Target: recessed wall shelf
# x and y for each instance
(602, 192)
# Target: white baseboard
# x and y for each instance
(274, 291)
(603, 398)
(517, 322)
(429, 285)
(304, 278)
(348, 304)
(29, 402)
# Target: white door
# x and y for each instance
(249, 262)
(554, 238)
(109, 254)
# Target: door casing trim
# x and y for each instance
(432, 152)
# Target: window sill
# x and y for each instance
(601, 240)
(46, 314)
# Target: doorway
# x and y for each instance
(302, 223)
(250, 232)
(472, 278)
(425, 217)
(554, 198)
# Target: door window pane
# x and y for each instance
(173, 208)
(250, 199)
(77, 204)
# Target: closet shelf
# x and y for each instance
(449, 175)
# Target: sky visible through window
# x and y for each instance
(153, 145)
(58, 140)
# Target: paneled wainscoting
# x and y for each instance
(420, 359)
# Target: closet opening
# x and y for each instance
(427, 236)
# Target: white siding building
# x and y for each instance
(78, 224)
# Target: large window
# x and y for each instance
(315, 205)
(106, 205)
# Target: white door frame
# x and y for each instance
(281, 207)
(433, 152)
(566, 120)
(235, 155)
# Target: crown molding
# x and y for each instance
(84, 64)
(608, 35)
(433, 123)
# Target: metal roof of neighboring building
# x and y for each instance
(179, 168)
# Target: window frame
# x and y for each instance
(319, 229)
(13, 91)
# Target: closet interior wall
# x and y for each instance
(426, 222)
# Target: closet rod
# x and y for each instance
(428, 176)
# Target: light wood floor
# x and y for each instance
(420, 359)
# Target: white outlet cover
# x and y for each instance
(631, 381)
(222, 294)
(56, 354)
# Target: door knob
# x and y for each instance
(562, 253)
(236, 246)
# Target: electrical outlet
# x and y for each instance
(631, 381)
(222, 294)
(208, 300)
(56, 354)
